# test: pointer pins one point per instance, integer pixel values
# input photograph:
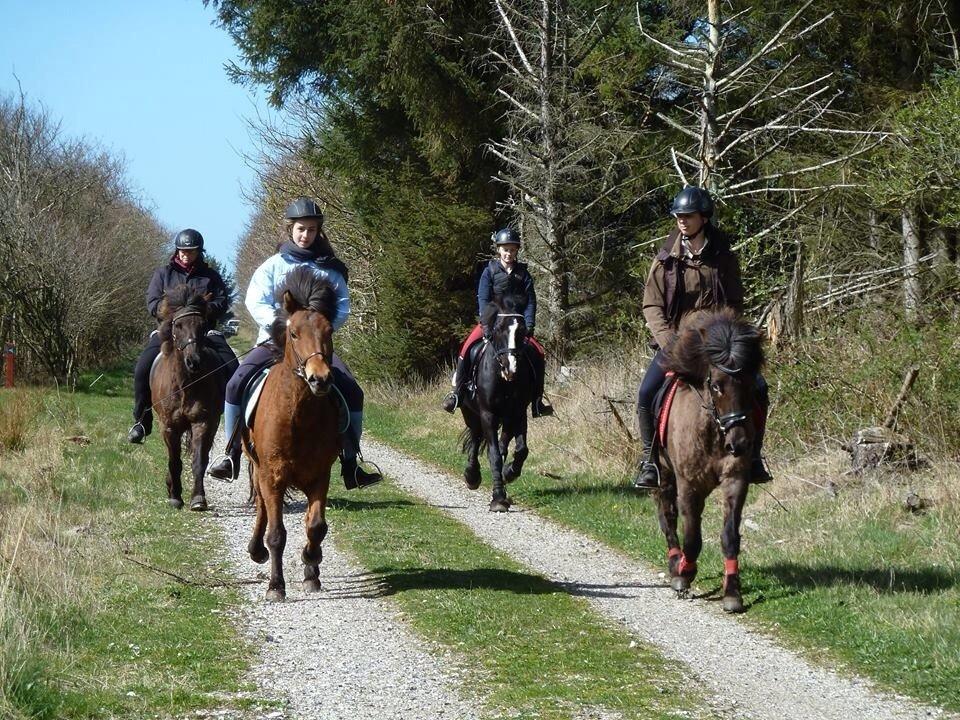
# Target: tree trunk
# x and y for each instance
(793, 312)
(873, 229)
(911, 258)
(708, 123)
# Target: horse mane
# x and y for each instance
(182, 297)
(720, 338)
(508, 304)
(310, 292)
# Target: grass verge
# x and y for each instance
(849, 577)
(533, 650)
(85, 632)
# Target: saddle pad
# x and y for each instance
(662, 404)
(153, 366)
(251, 394)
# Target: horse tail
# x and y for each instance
(465, 438)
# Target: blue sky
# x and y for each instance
(145, 80)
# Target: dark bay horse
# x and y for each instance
(190, 388)
(496, 414)
(710, 434)
(295, 437)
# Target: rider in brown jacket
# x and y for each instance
(695, 270)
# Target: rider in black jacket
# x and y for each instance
(186, 267)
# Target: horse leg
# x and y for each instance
(257, 550)
(471, 472)
(499, 501)
(172, 439)
(316, 527)
(520, 450)
(691, 508)
(734, 496)
(276, 541)
(202, 440)
(667, 516)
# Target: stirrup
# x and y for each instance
(456, 401)
(234, 469)
(643, 466)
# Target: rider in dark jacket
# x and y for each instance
(695, 270)
(502, 276)
(186, 267)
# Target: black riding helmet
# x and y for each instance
(506, 236)
(188, 239)
(690, 200)
(303, 207)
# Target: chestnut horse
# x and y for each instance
(190, 388)
(295, 437)
(710, 433)
(504, 380)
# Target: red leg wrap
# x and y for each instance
(731, 566)
(686, 567)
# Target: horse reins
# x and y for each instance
(727, 422)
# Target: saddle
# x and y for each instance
(250, 396)
(662, 403)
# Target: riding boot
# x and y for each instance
(227, 466)
(142, 410)
(539, 408)
(452, 401)
(354, 476)
(648, 474)
(758, 471)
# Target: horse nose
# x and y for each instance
(319, 384)
(192, 362)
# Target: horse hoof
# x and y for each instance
(276, 595)
(260, 555)
(198, 502)
(509, 474)
(311, 586)
(680, 584)
(733, 604)
(472, 478)
(175, 503)
(499, 505)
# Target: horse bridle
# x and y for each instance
(507, 350)
(727, 422)
(301, 369)
(186, 313)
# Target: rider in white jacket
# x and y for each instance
(306, 245)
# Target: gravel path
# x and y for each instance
(341, 653)
(760, 678)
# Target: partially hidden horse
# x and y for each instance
(187, 387)
(295, 437)
(496, 413)
(710, 433)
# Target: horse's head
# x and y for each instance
(506, 329)
(721, 355)
(304, 328)
(184, 320)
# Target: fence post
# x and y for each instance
(9, 355)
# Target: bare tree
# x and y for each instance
(565, 156)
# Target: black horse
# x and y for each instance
(496, 412)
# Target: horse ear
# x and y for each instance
(289, 304)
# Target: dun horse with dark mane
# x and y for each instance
(187, 381)
(710, 434)
(295, 437)
(496, 413)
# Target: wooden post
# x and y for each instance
(9, 355)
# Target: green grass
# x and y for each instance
(85, 632)
(853, 580)
(524, 646)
